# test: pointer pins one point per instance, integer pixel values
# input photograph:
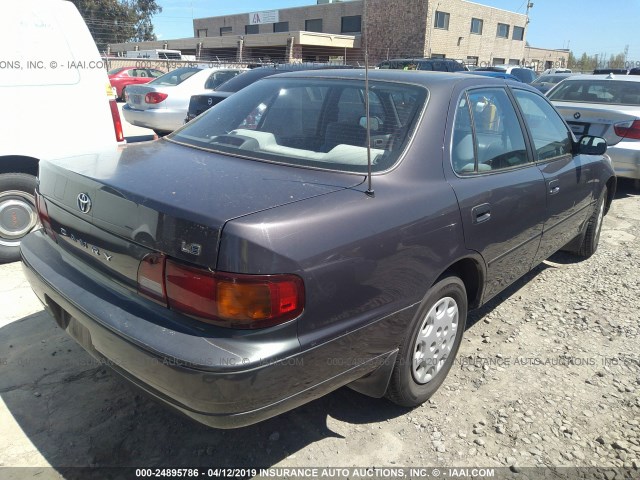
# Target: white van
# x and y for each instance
(55, 101)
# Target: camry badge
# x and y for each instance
(84, 203)
(576, 115)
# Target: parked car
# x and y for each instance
(46, 92)
(552, 71)
(274, 269)
(634, 71)
(608, 107)
(162, 103)
(203, 102)
(503, 75)
(544, 83)
(607, 71)
(526, 75)
(122, 77)
(428, 64)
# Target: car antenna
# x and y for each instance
(369, 191)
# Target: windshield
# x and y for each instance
(218, 78)
(315, 122)
(115, 70)
(175, 77)
(598, 91)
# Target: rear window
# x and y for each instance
(175, 77)
(115, 71)
(597, 91)
(311, 122)
(218, 78)
(549, 79)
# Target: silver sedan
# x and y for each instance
(608, 107)
(162, 103)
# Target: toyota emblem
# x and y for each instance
(84, 203)
(576, 115)
(209, 101)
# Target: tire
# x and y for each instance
(161, 133)
(122, 94)
(594, 227)
(18, 215)
(416, 377)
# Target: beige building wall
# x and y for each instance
(331, 15)
(541, 59)
(458, 42)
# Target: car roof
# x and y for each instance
(610, 76)
(426, 78)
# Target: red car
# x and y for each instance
(121, 77)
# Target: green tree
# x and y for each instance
(116, 21)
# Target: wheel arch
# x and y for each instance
(19, 164)
(471, 271)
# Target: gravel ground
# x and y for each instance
(547, 375)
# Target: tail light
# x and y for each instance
(223, 299)
(117, 123)
(630, 129)
(155, 97)
(43, 216)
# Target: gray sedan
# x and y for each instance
(285, 244)
(606, 106)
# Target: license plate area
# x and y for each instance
(136, 98)
(579, 128)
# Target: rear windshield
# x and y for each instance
(550, 79)
(216, 79)
(115, 70)
(598, 91)
(175, 77)
(311, 122)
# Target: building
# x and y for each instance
(338, 31)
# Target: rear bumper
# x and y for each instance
(625, 157)
(162, 119)
(229, 389)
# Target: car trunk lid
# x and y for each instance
(597, 120)
(170, 198)
(136, 96)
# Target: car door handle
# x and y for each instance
(554, 186)
(481, 213)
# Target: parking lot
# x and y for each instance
(548, 374)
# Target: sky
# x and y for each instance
(591, 26)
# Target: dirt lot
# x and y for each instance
(548, 374)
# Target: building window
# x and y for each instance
(280, 27)
(514, 61)
(503, 30)
(473, 61)
(518, 33)
(251, 29)
(438, 55)
(314, 25)
(442, 20)
(226, 31)
(498, 61)
(476, 26)
(202, 32)
(351, 24)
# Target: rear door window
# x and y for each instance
(498, 140)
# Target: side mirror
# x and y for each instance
(590, 145)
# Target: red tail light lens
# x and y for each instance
(155, 97)
(151, 278)
(233, 300)
(630, 129)
(43, 215)
(117, 123)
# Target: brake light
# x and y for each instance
(224, 299)
(117, 123)
(151, 278)
(155, 97)
(630, 129)
(231, 300)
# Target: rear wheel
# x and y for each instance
(18, 215)
(122, 97)
(161, 133)
(594, 227)
(431, 344)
